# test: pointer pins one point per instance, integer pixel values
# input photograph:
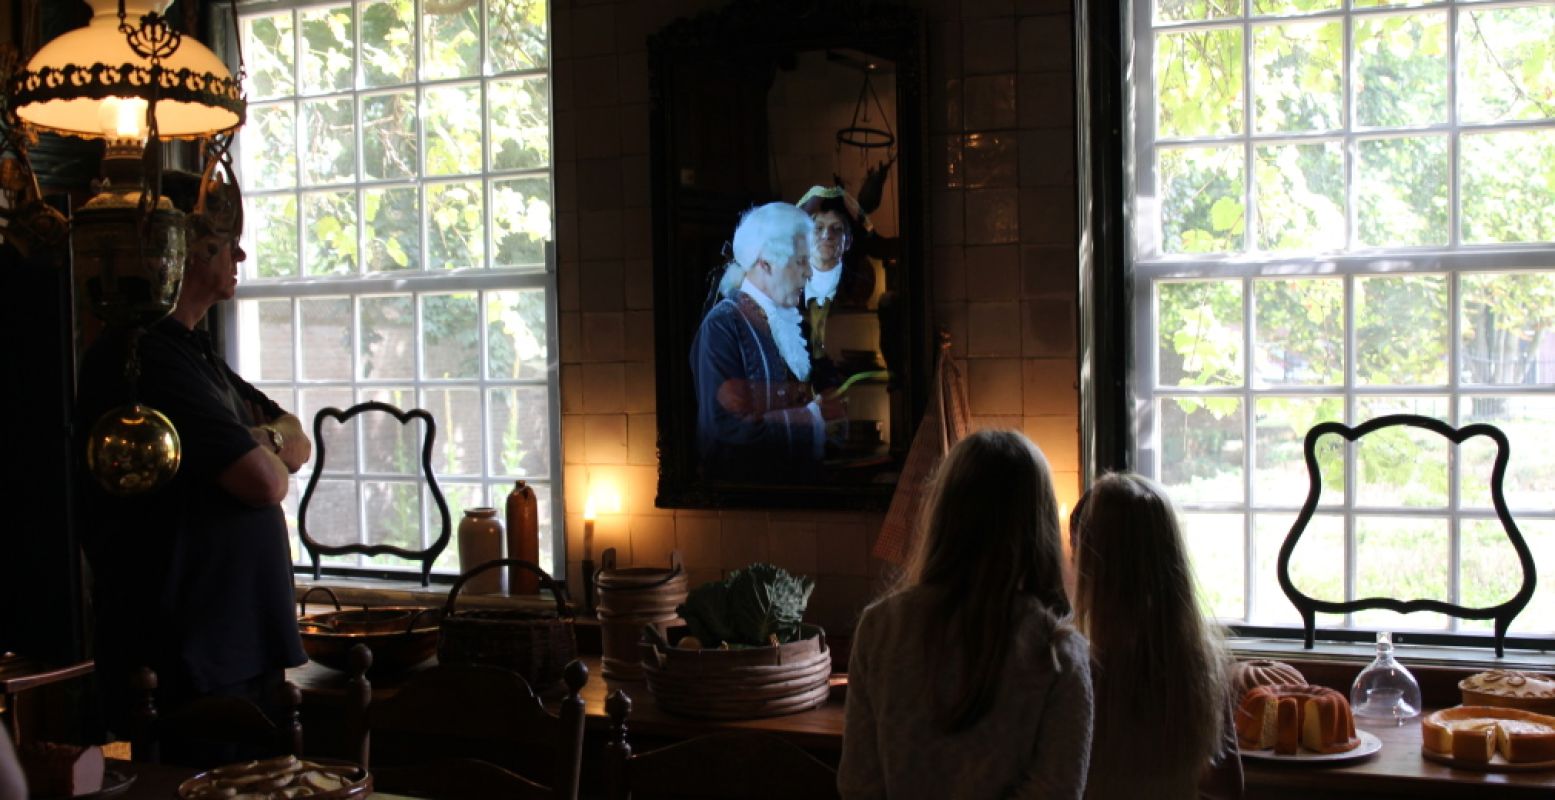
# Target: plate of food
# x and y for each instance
(1368, 745)
(276, 778)
(1489, 738)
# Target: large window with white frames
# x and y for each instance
(397, 169)
(1344, 209)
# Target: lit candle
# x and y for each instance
(588, 530)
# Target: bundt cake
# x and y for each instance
(1244, 675)
(1476, 733)
(1288, 718)
(1510, 688)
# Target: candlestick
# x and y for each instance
(588, 556)
(588, 539)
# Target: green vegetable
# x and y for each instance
(748, 607)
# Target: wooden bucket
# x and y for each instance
(629, 600)
(740, 684)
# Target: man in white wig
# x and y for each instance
(757, 419)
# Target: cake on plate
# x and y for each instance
(61, 770)
(1288, 718)
(1510, 688)
(1245, 675)
(1477, 733)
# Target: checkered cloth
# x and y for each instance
(945, 421)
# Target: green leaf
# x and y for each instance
(1225, 214)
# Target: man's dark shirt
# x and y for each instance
(187, 579)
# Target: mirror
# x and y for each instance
(775, 392)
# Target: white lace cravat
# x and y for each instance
(784, 324)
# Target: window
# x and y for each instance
(1343, 209)
(397, 168)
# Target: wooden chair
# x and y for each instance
(464, 730)
(234, 724)
(744, 764)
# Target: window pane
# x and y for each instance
(1299, 191)
(450, 40)
(1217, 550)
(1279, 461)
(1198, 78)
(1504, 63)
(329, 248)
(1187, 10)
(328, 49)
(1298, 76)
(459, 497)
(1401, 330)
(1404, 558)
(1529, 425)
(388, 48)
(270, 147)
(521, 221)
(1486, 570)
(393, 517)
(520, 123)
(451, 117)
(333, 514)
(389, 136)
(1202, 443)
(515, 334)
(393, 228)
(388, 338)
(455, 212)
(457, 450)
(270, 236)
(266, 326)
(1404, 184)
(1401, 69)
(1316, 567)
(1506, 186)
(1401, 466)
(269, 52)
(1202, 207)
(451, 336)
(388, 446)
(326, 338)
(1200, 342)
(328, 127)
(1298, 332)
(1506, 324)
(519, 434)
(518, 36)
(1281, 7)
(335, 451)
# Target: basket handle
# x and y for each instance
(302, 603)
(546, 582)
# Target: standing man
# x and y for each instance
(835, 278)
(757, 418)
(194, 578)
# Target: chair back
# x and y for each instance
(211, 730)
(325, 543)
(451, 714)
(744, 764)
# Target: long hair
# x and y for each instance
(1156, 664)
(989, 537)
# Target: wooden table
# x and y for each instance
(1398, 770)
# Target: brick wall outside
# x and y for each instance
(1002, 264)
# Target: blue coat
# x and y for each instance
(752, 420)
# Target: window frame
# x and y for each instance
(1142, 266)
(414, 284)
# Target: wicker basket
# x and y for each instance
(740, 684)
(630, 599)
(535, 644)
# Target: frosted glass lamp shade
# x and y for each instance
(65, 87)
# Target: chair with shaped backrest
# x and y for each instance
(465, 730)
(374, 429)
(744, 764)
(213, 729)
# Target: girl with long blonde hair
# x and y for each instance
(965, 681)
(1157, 664)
